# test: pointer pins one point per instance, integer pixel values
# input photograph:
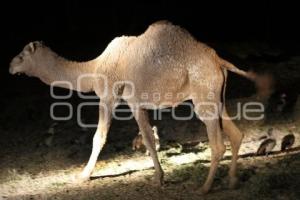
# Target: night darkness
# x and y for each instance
(81, 30)
(262, 36)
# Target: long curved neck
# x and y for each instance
(78, 74)
(61, 72)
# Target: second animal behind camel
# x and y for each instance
(138, 142)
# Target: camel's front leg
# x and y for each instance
(141, 117)
(99, 139)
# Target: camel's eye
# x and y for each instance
(20, 58)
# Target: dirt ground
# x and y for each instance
(40, 157)
(34, 168)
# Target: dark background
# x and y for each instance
(80, 30)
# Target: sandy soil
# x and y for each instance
(36, 167)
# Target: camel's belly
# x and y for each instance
(156, 100)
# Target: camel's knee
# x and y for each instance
(99, 139)
(218, 151)
(215, 139)
(236, 142)
(221, 151)
(234, 134)
(238, 136)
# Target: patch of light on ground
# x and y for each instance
(125, 166)
(183, 159)
(188, 158)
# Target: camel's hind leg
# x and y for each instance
(235, 137)
(210, 115)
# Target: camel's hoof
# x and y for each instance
(159, 180)
(80, 178)
(203, 190)
(233, 182)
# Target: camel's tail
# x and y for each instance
(264, 82)
(230, 67)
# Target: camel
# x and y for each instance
(165, 59)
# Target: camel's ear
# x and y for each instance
(31, 47)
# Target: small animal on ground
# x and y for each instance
(270, 131)
(138, 142)
(267, 145)
(287, 141)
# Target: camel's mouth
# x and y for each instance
(20, 73)
(15, 71)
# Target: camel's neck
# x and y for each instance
(68, 74)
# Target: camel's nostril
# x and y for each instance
(11, 70)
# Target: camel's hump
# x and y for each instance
(167, 26)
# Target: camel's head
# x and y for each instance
(24, 61)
